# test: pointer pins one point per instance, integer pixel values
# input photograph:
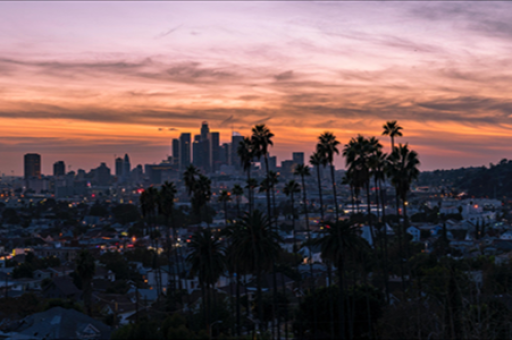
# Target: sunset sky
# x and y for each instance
(82, 81)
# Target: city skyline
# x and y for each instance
(130, 77)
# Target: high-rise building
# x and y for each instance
(272, 163)
(205, 130)
(102, 175)
(176, 152)
(185, 150)
(287, 168)
(59, 168)
(119, 168)
(224, 153)
(32, 165)
(214, 151)
(298, 158)
(127, 169)
(235, 141)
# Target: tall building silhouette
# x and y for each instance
(185, 150)
(127, 168)
(236, 138)
(205, 130)
(32, 165)
(214, 151)
(59, 168)
(298, 158)
(119, 168)
(176, 152)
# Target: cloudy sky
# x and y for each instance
(82, 81)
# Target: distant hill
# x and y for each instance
(492, 181)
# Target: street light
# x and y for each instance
(211, 326)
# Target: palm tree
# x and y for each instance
(166, 207)
(273, 179)
(257, 248)
(261, 140)
(225, 197)
(85, 268)
(207, 260)
(149, 202)
(304, 171)
(190, 178)
(246, 153)
(251, 184)
(339, 242)
(317, 160)
(392, 129)
(237, 191)
(378, 164)
(327, 147)
(404, 170)
(290, 189)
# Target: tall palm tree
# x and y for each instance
(318, 160)
(166, 197)
(304, 171)
(273, 179)
(290, 189)
(404, 171)
(256, 246)
(190, 177)
(261, 140)
(337, 243)
(85, 268)
(207, 260)
(149, 203)
(246, 154)
(327, 147)
(378, 164)
(224, 198)
(251, 184)
(392, 129)
(237, 191)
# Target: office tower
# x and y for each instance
(137, 174)
(102, 175)
(197, 138)
(185, 150)
(32, 165)
(119, 168)
(235, 141)
(205, 130)
(287, 168)
(59, 168)
(176, 152)
(272, 163)
(214, 151)
(224, 153)
(126, 168)
(201, 152)
(298, 158)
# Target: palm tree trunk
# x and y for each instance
(386, 256)
(238, 322)
(310, 254)
(226, 213)
(400, 240)
(352, 198)
(334, 191)
(341, 301)
(370, 212)
(250, 189)
(320, 191)
(237, 207)
(273, 270)
(331, 301)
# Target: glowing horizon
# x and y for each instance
(82, 81)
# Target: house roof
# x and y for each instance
(65, 285)
(60, 323)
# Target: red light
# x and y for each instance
(93, 195)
